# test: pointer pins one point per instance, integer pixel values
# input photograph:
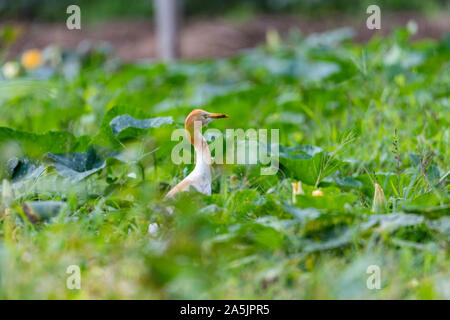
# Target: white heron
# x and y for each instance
(200, 177)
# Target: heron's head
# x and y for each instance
(202, 116)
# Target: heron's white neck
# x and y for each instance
(202, 156)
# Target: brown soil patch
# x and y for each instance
(213, 37)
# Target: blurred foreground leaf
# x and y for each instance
(42, 210)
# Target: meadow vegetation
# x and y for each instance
(79, 190)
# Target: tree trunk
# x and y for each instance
(167, 28)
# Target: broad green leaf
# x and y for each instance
(19, 169)
(332, 199)
(309, 166)
(78, 165)
(38, 144)
(124, 121)
(127, 123)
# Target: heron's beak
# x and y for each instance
(217, 115)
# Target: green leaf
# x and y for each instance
(341, 239)
(302, 214)
(126, 126)
(393, 221)
(122, 122)
(332, 199)
(42, 210)
(310, 165)
(441, 225)
(20, 169)
(348, 182)
(38, 144)
(78, 165)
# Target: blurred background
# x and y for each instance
(208, 28)
(97, 192)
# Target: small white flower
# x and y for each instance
(153, 228)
